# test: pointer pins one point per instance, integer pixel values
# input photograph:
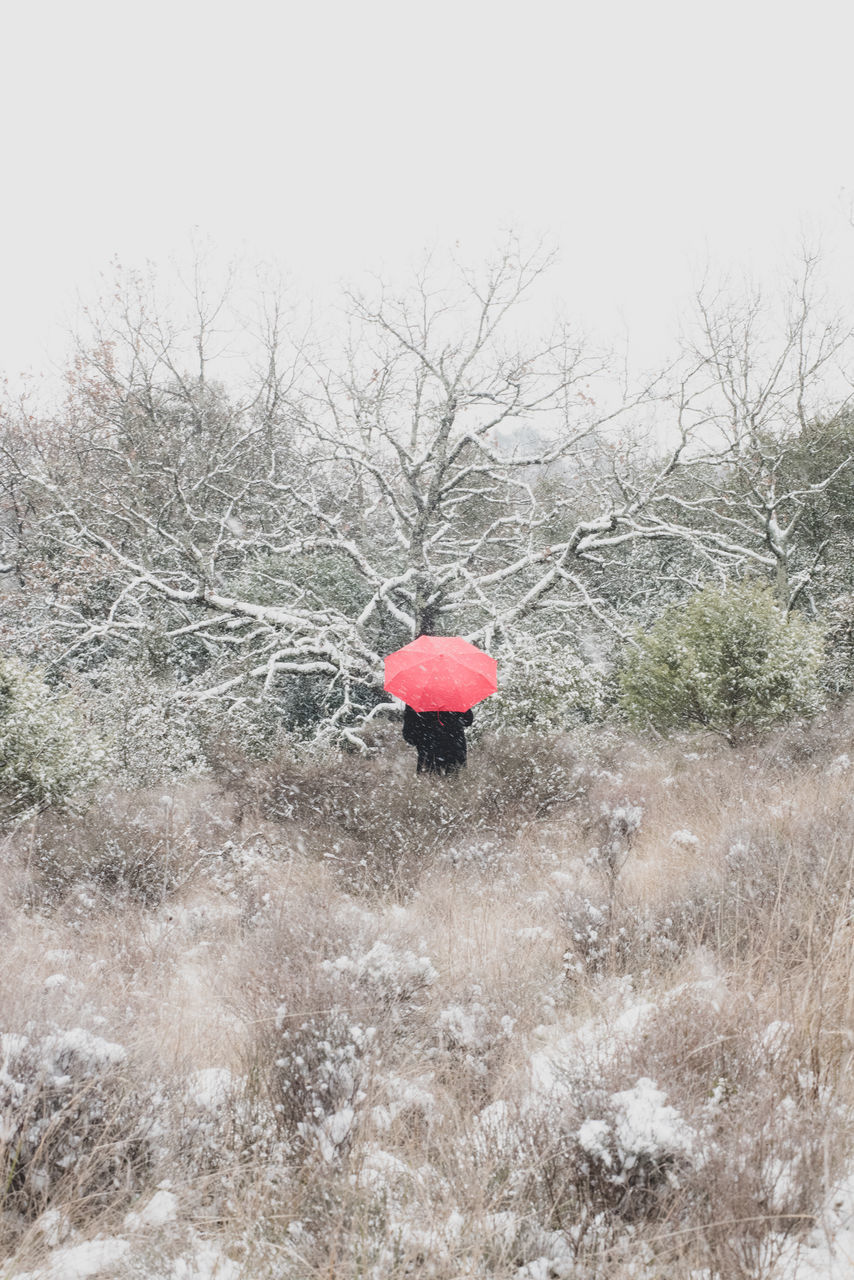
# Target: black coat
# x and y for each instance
(439, 737)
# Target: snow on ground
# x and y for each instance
(78, 1261)
(161, 1208)
(110, 1256)
(631, 1125)
(599, 1040)
(827, 1253)
(210, 1087)
(205, 1261)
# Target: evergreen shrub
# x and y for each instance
(728, 660)
(47, 753)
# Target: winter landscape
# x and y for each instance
(291, 989)
(276, 1005)
(305, 1023)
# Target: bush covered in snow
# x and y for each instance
(155, 730)
(545, 685)
(391, 976)
(149, 731)
(728, 660)
(317, 1083)
(838, 669)
(46, 752)
(118, 848)
(75, 1127)
(630, 1150)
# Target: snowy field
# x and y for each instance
(585, 1012)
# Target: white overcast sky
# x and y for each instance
(643, 137)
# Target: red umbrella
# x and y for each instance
(440, 673)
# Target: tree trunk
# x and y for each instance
(781, 583)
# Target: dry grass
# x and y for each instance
(377, 1025)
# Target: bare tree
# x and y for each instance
(753, 391)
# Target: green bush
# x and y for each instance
(46, 752)
(727, 660)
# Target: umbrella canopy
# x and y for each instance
(440, 673)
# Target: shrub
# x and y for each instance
(839, 649)
(324, 1060)
(149, 732)
(729, 660)
(119, 848)
(381, 827)
(46, 752)
(75, 1127)
(316, 1017)
(544, 686)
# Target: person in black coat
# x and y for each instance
(439, 737)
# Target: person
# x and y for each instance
(439, 737)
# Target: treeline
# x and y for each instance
(208, 550)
